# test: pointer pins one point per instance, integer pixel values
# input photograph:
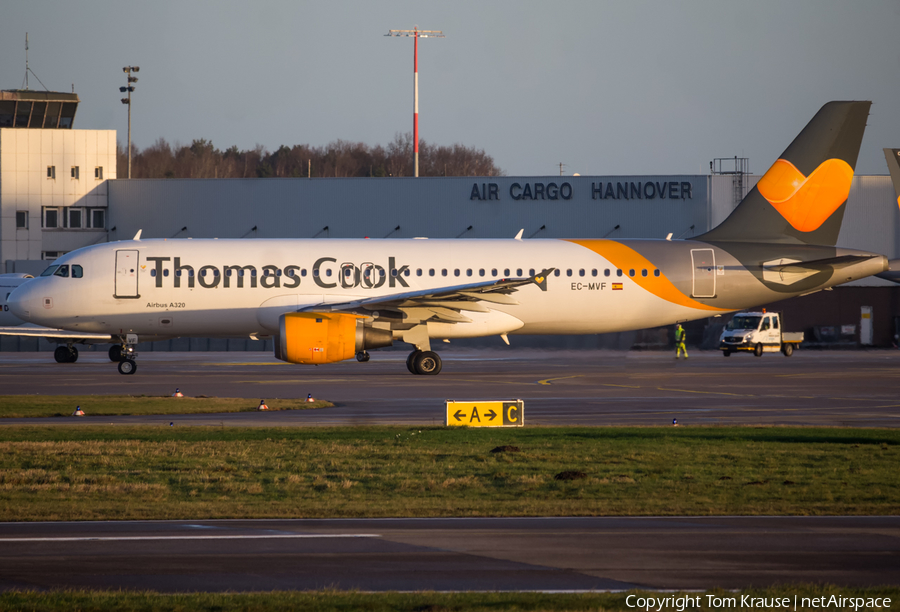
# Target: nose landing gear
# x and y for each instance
(127, 354)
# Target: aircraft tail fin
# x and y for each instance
(802, 197)
(893, 161)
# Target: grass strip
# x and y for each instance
(341, 601)
(31, 406)
(116, 472)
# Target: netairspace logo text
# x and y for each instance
(681, 604)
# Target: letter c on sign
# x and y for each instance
(509, 414)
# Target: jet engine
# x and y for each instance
(316, 337)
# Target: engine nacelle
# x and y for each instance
(317, 337)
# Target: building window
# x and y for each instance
(75, 172)
(51, 218)
(21, 219)
(98, 218)
(51, 172)
(98, 173)
(51, 255)
(75, 215)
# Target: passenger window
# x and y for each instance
(481, 272)
(518, 271)
(656, 272)
(569, 272)
(469, 272)
(406, 273)
(494, 272)
(444, 272)
(456, 272)
(531, 272)
(644, 272)
(153, 272)
(77, 271)
(631, 273)
(303, 272)
(618, 273)
(166, 272)
(594, 272)
(506, 272)
(557, 272)
(431, 272)
(63, 272)
(606, 272)
(581, 272)
(418, 271)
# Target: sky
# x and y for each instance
(603, 87)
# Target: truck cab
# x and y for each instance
(758, 332)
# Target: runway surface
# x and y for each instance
(544, 554)
(828, 388)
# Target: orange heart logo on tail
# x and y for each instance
(806, 201)
(539, 279)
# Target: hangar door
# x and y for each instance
(704, 265)
(126, 274)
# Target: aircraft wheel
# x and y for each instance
(758, 350)
(410, 360)
(788, 350)
(427, 363)
(127, 366)
(726, 353)
(362, 356)
(115, 353)
(61, 354)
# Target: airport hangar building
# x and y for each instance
(59, 192)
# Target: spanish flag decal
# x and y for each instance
(806, 201)
(617, 286)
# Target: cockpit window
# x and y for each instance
(77, 271)
(49, 271)
(63, 271)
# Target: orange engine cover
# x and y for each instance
(314, 337)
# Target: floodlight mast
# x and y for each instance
(129, 88)
(416, 34)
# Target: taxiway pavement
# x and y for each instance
(824, 388)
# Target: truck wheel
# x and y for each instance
(787, 349)
(758, 350)
(726, 353)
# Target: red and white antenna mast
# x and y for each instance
(416, 34)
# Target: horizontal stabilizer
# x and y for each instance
(820, 264)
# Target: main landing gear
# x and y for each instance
(65, 354)
(423, 362)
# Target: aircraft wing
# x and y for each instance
(443, 304)
(36, 331)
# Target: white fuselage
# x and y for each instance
(233, 288)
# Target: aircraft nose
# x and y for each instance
(19, 303)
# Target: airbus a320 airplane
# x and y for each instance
(329, 300)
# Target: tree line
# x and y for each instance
(337, 159)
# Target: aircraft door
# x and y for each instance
(127, 274)
(704, 273)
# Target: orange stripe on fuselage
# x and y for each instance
(626, 258)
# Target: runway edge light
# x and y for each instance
(486, 413)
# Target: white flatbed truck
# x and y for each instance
(758, 333)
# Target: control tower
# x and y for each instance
(53, 179)
(49, 110)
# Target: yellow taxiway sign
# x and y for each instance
(489, 413)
